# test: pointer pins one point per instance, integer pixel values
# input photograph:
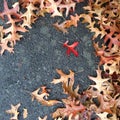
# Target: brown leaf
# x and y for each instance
(67, 6)
(68, 23)
(14, 111)
(67, 81)
(53, 8)
(60, 27)
(63, 77)
(98, 80)
(103, 116)
(73, 21)
(29, 16)
(68, 89)
(45, 118)
(4, 46)
(25, 113)
(58, 113)
(106, 103)
(112, 66)
(72, 108)
(42, 97)
(12, 33)
(58, 118)
(1, 33)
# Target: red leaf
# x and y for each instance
(71, 48)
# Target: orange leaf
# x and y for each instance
(63, 77)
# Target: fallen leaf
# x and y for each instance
(42, 97)
(14, 111)
(63, 77)
(25, 113)
(71, 108)
(98, 80)
(45, 118)
(73, 21)
(60, 27)
(71, 48)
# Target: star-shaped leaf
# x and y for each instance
(71, 48)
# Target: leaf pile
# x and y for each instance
(101, 101)
(103, 19)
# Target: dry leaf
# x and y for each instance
(67, 23)
(12, 32)
(25, 113)
(73, 21)
(58, 118)
(29, 16)
(14, 111)
(45, 118)
(42, 97)
(60, 27)
(1, 33)
(72, 108)
(98, 80)
(63, 77)
(112, 66)
(53, 7)
(103, 116)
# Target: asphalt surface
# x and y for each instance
(36, 57)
